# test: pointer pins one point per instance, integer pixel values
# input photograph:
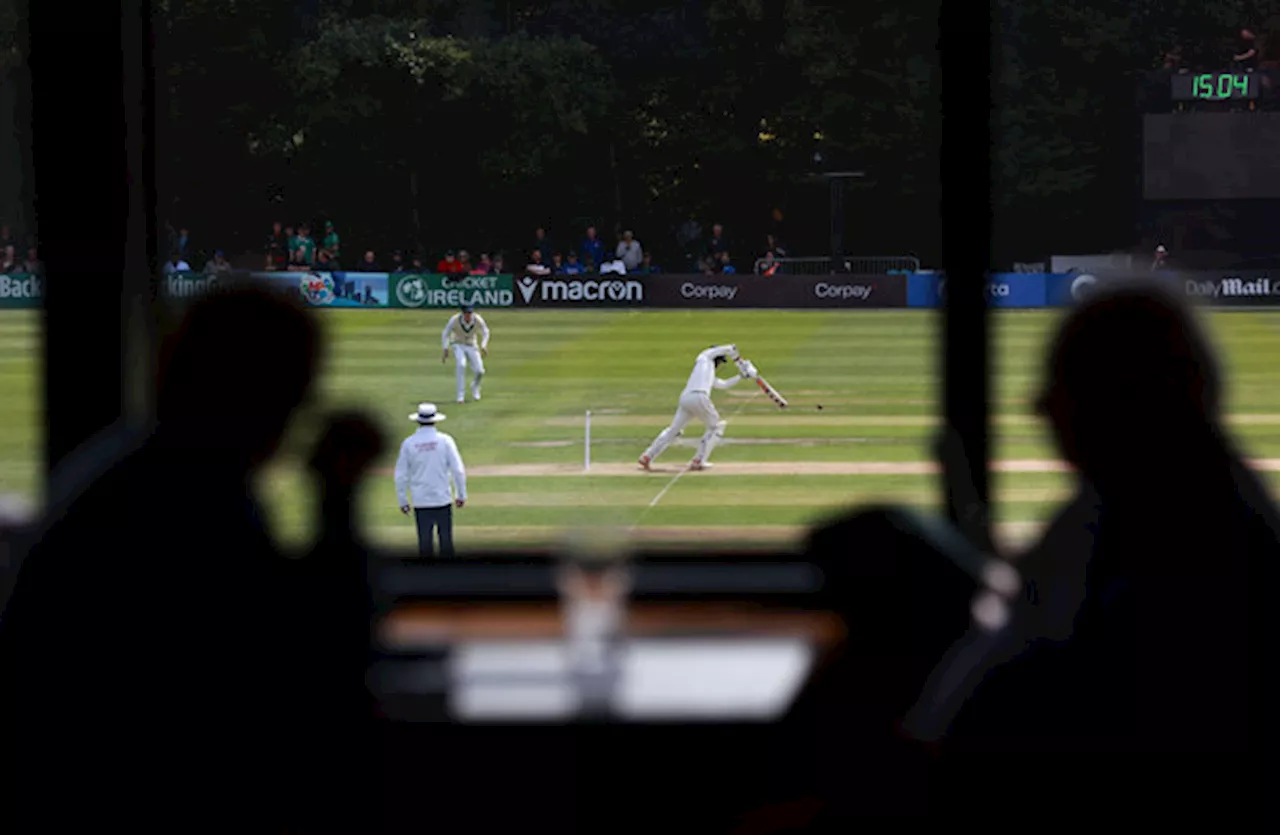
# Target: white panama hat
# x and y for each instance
(426, 414)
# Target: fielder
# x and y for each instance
(695, 404)
(460, 334)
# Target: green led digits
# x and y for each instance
(1218, 86)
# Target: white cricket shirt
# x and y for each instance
(429, 470)
(704, 378)
(458, 332)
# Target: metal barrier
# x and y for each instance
(854, 265)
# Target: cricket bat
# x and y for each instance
(765, 387)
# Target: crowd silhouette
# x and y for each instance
(163, 659)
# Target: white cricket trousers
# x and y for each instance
(693, 406)
(465, 356)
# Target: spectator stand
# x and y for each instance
(854, 265)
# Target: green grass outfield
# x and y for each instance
(874, 372)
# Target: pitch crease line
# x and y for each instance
(685, 468)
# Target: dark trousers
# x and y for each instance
(431, 520)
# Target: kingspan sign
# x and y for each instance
(572, 292)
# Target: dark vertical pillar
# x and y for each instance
(966, 218)
(837, 186)
(83, 210)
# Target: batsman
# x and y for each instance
(695, 404)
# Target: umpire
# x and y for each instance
(429, 472)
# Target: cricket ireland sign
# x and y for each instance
(436, 291)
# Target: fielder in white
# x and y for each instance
(461, 335)
(695, 404)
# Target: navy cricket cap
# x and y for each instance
(466, 308)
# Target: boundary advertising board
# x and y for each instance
(692, 292)
(412, 290)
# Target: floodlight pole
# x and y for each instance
(836, 182)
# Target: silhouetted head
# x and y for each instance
(233, 373)
(1132, 388)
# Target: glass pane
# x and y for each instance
(21, 277)
(709, 168)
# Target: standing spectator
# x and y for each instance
(449, 265)
(277, 248)
(218, 264)
(773, 245)
(717, 244)
(1246, 56)
(557, 263)
(484, 266)
(32, 265)
(431, 480)
(592, 249)
(535, 265)
(571, 265)
(332, 242)
(176, 264)
(777, 232)
(298, 260)
(9, 260)
(306, 245)
(629, 251)
(690, 237)
(541, 244)
(724, 264)
(290, 241)
(369, 263)
(183, 242)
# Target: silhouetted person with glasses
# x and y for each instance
(1148, 645)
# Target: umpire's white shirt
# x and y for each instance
(429, 470)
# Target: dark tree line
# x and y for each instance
(469, 122)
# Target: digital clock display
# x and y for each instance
(1215, 86)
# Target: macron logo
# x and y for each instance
(526, 286)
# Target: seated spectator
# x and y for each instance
(326, 263)
(592, 248)
(464, 262)
(724, 264)
(535, 265)
(617, 267)
(397, 262)
(769, 264)
(175, 264)
(369, 263)
(541, 245)
(6, 236)
(498, 264)
(218, 264)
(571, 265)
(707, 266)
(647, 267)
(9, 260)
(416, 265)
(588, 265)
(484, 266)
(32, 264)
(332, 242)
(277, 248)
(449, 265)
(307, 244)
(629, 251)
(717, 244)
(557, 263)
